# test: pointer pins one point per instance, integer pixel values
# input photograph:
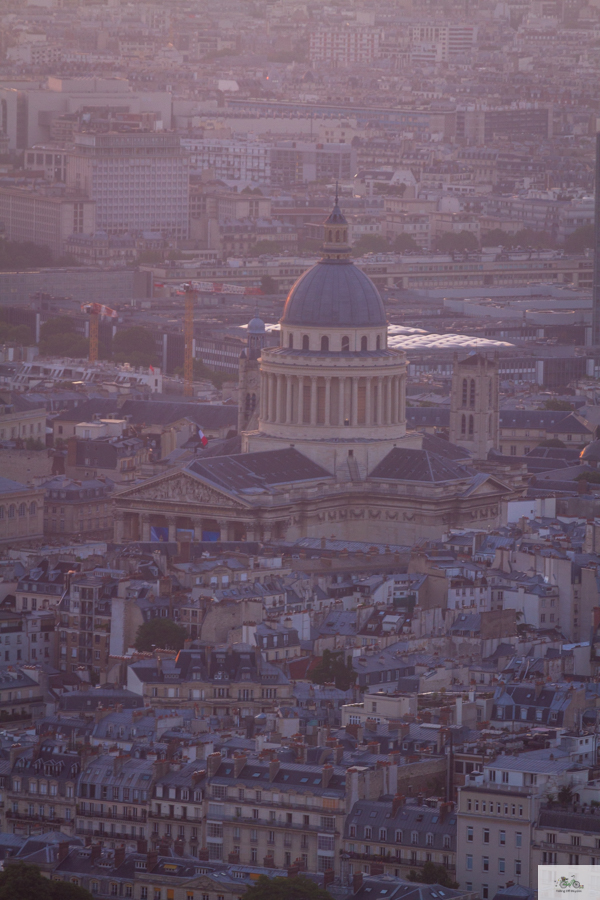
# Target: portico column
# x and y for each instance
(380, 400)
(342, 403)
(145, 526)
(300, 399)
(223, 529)
(280, 399)
(402, 399)
(288, 399)
(354, 383)
(197, 523)
(328, 400)
(313, 400)
(368, 398)
(119, 527)
(388, 401)
(267, 409)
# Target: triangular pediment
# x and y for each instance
(180, 487)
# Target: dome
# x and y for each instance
(334, 294)
(256, 326)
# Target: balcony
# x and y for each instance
(110, 816)
(194, 820)
(272, 824)
(391, 860)
(109, 835)
(46, 820)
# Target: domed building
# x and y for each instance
(325, 450)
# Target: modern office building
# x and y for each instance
(45, 216)
(139, 181)
(345, 46)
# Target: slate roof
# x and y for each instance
(549, 420)
(418, 465)
(153, 412)
(444, 448)
(334, 293)
(409, 818)
(258, 470)
(11, 487)
(386, 887)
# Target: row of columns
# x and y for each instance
(294, 399)
(253, 530)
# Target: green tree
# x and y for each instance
(581, 239)
(431, 873)
(15, 334)
(404, 243)
(24, 255)
(456, 242)
(22, 881)
(496, 238)
(333, 669)
(267, 248)
(370, 243)
(565, 795)
(162, 633)
(590, 477)
(58, 337)
(558, 405)
(539, 240)
(268, 285)
(296, 888)
(135, 345)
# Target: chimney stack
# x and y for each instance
(273, 769)
(239, 761)
(357, 880)
(63, 850)
(151, 860)
(326, 773)
(119, 855)
(397, 803)
(213, 761)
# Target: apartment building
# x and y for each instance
(113, 799)
(566, 835)
(497, 815)
(41, 789)
(138, 180)
(19, 420)
(278, 814)
(345, 46)
(176, 813)
(51, 159)
(45, 215)
(447, 41)
(21, 512)
(392, 837)
(85, 623)
(221, 681)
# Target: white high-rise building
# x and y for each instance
(140, 181)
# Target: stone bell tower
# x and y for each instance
(474, 404)
(249, 377)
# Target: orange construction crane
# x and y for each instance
(95, 310)
(188, 341)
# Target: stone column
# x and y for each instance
(380, 400)
(119, 527)
(342, 399)
(144, 526)
(354, 401)
(172, 523)
(388, 402)
(313, 400)
(402, 398)
(368, 401)
(328, 400)
(280, 399)
(223, 529)
(288, 399)
(395, 400)
(197, 523)
(300, 399)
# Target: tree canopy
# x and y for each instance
(431, 873)
(164, 634)
(581, 239)
(456, 242)
(404, 243)
(297, 888)
(58, 337)
(136, 346)
(370, 243)
(333, 668)
(15, 334)
(22, 881)
(558, 405)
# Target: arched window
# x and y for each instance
(363, 343)
(463, 424)
(345, 344)
(337, 236)
(464, 392)
(471, 424)
(291, 341)
(32, 508)
(324, 343)
(378, 344)
(305, 342)
(22, 509)
(472, 394)
(11, 511)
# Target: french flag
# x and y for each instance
(203, 438)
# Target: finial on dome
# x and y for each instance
(335, 244)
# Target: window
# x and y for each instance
(470, 834)
(345, 344)
(518, 839)
(414, 837)
(464, 392)
(325, 344)
(486, 835)
(363, 343)
(291, 342)
(469, 862)
(502, 838)
(486, 864)
(518, 868)
(501, 866)
(305, 342)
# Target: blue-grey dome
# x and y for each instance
(256, 326)
(334, 294)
